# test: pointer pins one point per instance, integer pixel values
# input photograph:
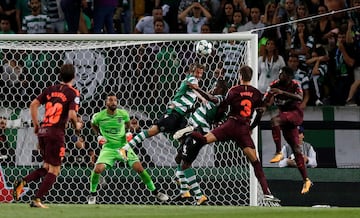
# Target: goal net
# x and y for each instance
(144, 71)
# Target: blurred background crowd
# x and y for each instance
(321, 47)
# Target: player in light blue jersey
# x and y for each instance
(110, 125)
(201, 119)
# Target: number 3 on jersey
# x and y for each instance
(52, 113)
(247, 107)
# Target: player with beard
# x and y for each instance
(287, 95)
(110, 125)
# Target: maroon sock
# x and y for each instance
(276, 134)
(35, 175)
(46, 185)
(259, 173)
(299, 159)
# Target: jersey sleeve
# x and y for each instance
(126, 116)
(94, 119)
(75, 101)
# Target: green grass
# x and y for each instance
(149, 211)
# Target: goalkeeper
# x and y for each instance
(201, 120)
(112, 123)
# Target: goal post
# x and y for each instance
(144, 71)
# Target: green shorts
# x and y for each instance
(108, 156)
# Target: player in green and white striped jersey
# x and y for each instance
(174, 117)
(201, 120)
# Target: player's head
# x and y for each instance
(286, 74)
(67, 73)
(246, 73)
(197, 70)
(221, 87)
(3, 123)
(293, 61)
(301, 133)
(111, 102)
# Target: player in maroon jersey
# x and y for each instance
(286, 94)
(61, 105)
(243, 100)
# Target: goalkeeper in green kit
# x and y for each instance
(110, 125)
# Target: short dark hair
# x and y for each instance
(221, 83)
(246, 73)
(67, 72)
(111, 94)
(287, 70)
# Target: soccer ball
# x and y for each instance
(203, 47)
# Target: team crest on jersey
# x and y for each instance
(77, 100)
(119, 119)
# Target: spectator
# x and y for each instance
(318, 68)
(122, 17)
(240, 5)
(286, 14)
(11, 73)
(5, 26)
(341, 64)
(301, 77)
(193, 23)
(353, 35)
(159, 26)
(22, 10)
(205, 28)
(8, 8)
(224, 17)
(36, 23)
(335, 5)
(146, 24)
(103, 16)
(230, 53)
(72, 10)
(307, 151)
(324, 29)
(255, 22)
(270, 16)
(184, 4)
(53, 10)
(238, 22)
(301, 43)
(300, 13)
(269, 65)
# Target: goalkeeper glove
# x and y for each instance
(129, 136)
(101, 140)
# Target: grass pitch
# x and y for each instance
(16, 210)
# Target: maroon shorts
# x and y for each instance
(238, 131)
(51, 142)
(291, 118)
(290, 121)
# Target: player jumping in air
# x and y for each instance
(243, 100)
(200, 120)
(286, 94)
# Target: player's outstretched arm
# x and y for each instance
(204, 94)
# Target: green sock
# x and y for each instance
(145, 177)
(94, 181)
(192, 182)
(139, 138)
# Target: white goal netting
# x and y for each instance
(144, 74)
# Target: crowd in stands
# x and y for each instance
(323, 50)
